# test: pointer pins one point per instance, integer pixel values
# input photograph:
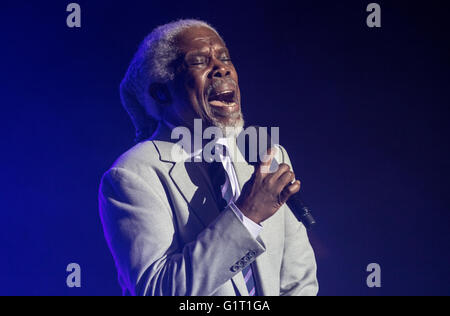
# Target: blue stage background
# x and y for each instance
(363, 112)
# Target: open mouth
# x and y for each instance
(223, 99)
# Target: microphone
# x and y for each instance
(253, 149)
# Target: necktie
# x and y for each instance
(218, 178)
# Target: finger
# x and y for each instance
(285, 179)
(282, 169)
(264, 167)
(290, 190)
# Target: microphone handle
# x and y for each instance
(301, 211)
(297, 206)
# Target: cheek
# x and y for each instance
(190, 82)
(194, 89)
(195, 85)
(193, 79)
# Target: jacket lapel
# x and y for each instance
(192, 184)
(188, 176)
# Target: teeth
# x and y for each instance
(226, 96)
(222, 104)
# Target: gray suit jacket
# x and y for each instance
(168, 237)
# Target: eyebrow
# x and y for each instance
(208, 50)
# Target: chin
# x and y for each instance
(231, 130)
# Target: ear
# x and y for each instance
(160, 93)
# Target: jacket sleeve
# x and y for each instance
(140, 229)
(298, 270)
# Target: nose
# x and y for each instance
(219, 70)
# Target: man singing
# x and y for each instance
(186, 226)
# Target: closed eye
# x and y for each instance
(197, 61)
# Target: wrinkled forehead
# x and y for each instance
(197, 37)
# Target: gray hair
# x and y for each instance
(153, 62)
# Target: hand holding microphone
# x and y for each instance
(264, 194)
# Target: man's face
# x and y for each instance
(206, 83)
